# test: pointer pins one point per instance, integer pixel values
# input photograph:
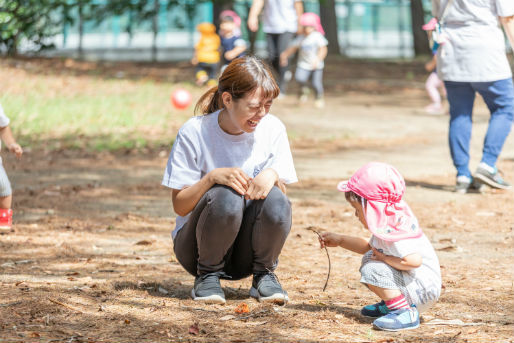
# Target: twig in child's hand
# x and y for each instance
(311, 228)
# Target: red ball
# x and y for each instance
(181, 98)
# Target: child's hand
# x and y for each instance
(16, 149)
(194, 61)
(315, 64)
(328, 239)
(377, 255)
(283, 60)
(229, 55)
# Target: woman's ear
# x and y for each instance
(226, 97)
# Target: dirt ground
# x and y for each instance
(90, 257)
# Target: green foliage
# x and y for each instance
(94, 114)
(31, 21)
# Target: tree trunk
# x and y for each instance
(421, 44)
(155, 29)
(327, 11)
(80, 50)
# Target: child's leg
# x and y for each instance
(394, 312)
(5, 200)
(431, 86)
(317, 83)
(302, 76)
(385, 281)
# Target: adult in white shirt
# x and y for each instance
(227, 170)
(280, 23)
(473, 60)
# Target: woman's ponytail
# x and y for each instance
(209, 102)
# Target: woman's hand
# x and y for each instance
(234, 178)
(260, 187)
(329, 239)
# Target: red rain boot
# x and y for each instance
(5, 219)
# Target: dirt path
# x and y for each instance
(90, 259)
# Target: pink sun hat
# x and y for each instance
(233, 15)
(312, 19)
(387, 215)
(431, 25)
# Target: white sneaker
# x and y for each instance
(319, 103)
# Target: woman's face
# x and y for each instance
(244, 115)
(359, 212)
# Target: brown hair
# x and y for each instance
(352, 197)
(241, 77)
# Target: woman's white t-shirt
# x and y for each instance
(201, 146)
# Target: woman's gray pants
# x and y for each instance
(228, 234)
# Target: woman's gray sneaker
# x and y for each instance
(491, 179)
(207, 289)
(267, 288)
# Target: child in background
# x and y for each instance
(399, 264)
(5, 186)
(232, 43)
(433, 83)
(207, 55)
(312, 47)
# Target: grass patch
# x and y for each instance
(90, 112)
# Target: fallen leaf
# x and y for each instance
(35, 335)
(194, 330)
(242, 308)
(126, 321)
(143, 242)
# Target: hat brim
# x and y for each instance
(343, 186)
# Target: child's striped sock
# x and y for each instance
(397, 303)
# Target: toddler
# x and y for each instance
(207, 55)
(312, 47)
(399, 264)
(433, 82)
(5, 186)
(231, 42)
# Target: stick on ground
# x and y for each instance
(311, 228)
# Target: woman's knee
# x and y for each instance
(276, 210)
(224, 203)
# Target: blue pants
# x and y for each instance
(499, 98)
(302, 76)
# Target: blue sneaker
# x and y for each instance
(402, 319)
(376, 310)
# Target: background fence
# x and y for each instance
(367, 28)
